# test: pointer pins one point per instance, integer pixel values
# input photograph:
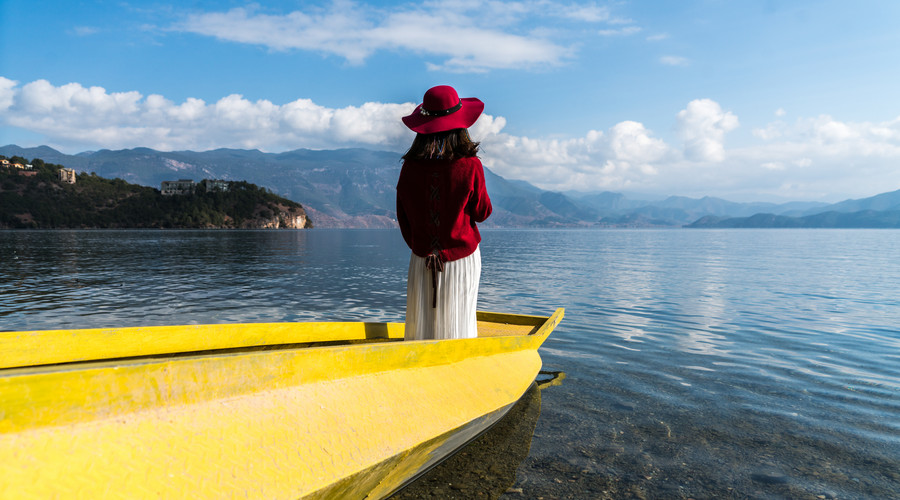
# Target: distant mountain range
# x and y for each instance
(882, 219)
(356, 188)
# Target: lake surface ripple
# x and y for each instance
(701, 364)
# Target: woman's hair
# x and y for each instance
(449, 145)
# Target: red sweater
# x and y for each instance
(438, 204)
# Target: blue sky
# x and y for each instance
(747, 100)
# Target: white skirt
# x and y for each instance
(457, 295)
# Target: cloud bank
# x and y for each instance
(461, 35)
(703, 126)
(810, 158)
(72, 114)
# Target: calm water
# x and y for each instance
(703, 364)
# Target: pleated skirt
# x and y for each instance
(457, 296)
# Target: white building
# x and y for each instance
(67, 175)
(181, 186)
(215, 184)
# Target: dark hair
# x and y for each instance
(449, 145)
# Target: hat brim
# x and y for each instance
(464, 117)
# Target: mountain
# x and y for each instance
(863, 219)
(352, 187)
(606, 202)
(879, 211)
(882, 202)
(356, 188)
(517, 204)
(338, 188)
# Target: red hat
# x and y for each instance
(443, 110)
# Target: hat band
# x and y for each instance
(442, 112)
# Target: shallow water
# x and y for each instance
(704, 364)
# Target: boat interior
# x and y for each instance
(62, 347)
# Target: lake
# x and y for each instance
(699, 363)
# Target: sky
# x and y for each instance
(747, 100)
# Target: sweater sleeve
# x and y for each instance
(479, 202)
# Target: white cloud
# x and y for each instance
(466, 48)
(658, 37)
(829, 131)
(589, 13)
(84, 30)
(91, 116)
(820, 157)
(628, 30)
(462, 35)
(702, 126)
(772, 131)
(811, 158)
(626, 155)
(780, 112)
(341, 31)
(7, 93)
(674, 61)
(91, 105)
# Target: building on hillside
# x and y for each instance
(215, 184)
(181, 186)
(67, 175)
(4, 162)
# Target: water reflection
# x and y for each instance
(96, 279)
(486, 467)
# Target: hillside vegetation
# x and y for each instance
(41, 200)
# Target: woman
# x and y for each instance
(440, 198)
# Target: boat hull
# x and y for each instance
(355, 420)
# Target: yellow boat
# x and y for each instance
(273, 410)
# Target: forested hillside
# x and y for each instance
(37, 198)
